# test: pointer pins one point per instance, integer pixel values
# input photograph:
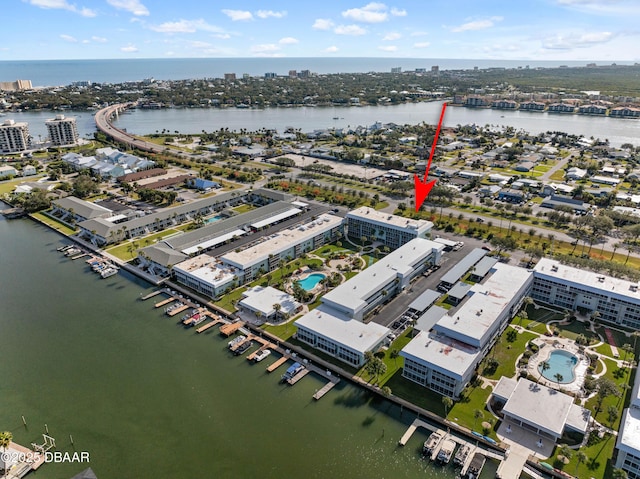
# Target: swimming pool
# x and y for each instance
(560, 362)
(311, 281)
(213, 219)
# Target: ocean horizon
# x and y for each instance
(43, 73)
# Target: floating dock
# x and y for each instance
(81, 255)
(175, 311)
(229, 329)
(298, 377)
(265, 345)
(272, 367)
(163, 302)
(326, 388)
(414, 426)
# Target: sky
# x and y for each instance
(605, 30)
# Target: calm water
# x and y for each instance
(65, 72)
(148, 399)
(311, 281)
(187, 120)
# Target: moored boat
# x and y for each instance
(431, 443)
(294, 369)
(236, 340)
(462, 454)
(475, 468)
(261, 355)
(108, 272)
(243, 347)
(446, 451)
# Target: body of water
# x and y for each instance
(65, 72)
(311, 281)
(147, 398)
(193, 120)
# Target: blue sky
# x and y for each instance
(605, 30)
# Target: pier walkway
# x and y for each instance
(298, 377)
(326, 388)
(229, 329)
(272, 367)
(180, 309)
(204, 327)
(414, 426)
(166, 301)
(151, 294)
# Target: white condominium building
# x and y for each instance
(14, 137)
(617, 300)
(393, 231)
(62, 131)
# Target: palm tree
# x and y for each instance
(565, 452)
(477, 414)
(277, 307)
(558, 377)
(5, 439)
(580, 458)
(544, 366)
(619, 474)
(447, 402)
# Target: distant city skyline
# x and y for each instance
(572, 30)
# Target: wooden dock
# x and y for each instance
(151, 294)
(467, 462)
(204, 327)
(229, 329)
(237, 346)
(163, 302)
(265, 345)
(272, 367)
(326, 388)
(298, 377)
(81, 255)
(175, 311)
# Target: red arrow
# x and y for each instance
(422, 187)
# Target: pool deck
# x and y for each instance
(547, 346)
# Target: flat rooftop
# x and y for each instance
(386, 219)
(368, 282)
(426, 299)
(442, 353)
(629, 434)
(262, 299)
(485, 304)
(282, 241)
(539, 405)
(343, 330)
(581, 278)
(427, 321)
(207, 269)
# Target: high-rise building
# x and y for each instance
(15, 85)
(14, 137)
(62, 130)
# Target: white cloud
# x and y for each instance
(573, 40)
(99, 39)
(270, 13)
(61, 5)
(477, 24)
(349, 30)
(132, 6)
(288, 41)
(421, 45)
(331, 49)
(86, 41)
(186, 26)
(322, 24)
(129, 49)
(373, 12)
(388, 48)
(419, 34)
(603, 7)
(265, 48)
(68, 38)
(222, 36)
(391, 36)
(396, 12)
(238, 15)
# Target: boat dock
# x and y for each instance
(204, 327)
(229, 329)
(436, 450)
(180, 309)
(151, 294)
(163, 302)
(414, 426)
(326, 388)
(298, 377)
(265, 345)
(81, 255)
(272, 367)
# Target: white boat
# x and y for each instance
(108, 272)
(261, 355)
(462, 454)
(446, 451)
(431, 443)
(236, 340)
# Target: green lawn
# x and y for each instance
(558, 175)
(228, 300)
(415, 394)
(612, 373)
(506, 353)
(63, 228)
(393, 364)
(283, 331)
(243, 208)
(9, 185)
(463, 414)
(123, 251)
(598, 464)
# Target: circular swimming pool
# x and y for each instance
(311, 281)
(561, 363)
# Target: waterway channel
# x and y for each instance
(149, 399)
